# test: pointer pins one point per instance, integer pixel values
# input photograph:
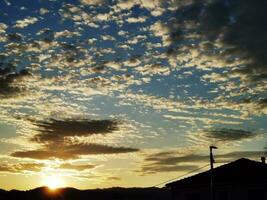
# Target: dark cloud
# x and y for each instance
(17, 168)
(242, 154)
(55, 139)
(262, 103)
(55, 130)
(171, 161)
(43, 154)
(226, 134)
(72, 151)
(14, 37)
(155, 168)
(90, 149)
(12, 82)
(237, 25)
(46, 35)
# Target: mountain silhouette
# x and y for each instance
(44, 193)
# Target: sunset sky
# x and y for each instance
(130, 93)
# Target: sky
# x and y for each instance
(129, 93)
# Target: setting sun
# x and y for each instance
(53, 182)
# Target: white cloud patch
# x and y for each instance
(154, 6)
(92, 2)
(43, 11)
(136, 20)
(25, 22)
(3, 27)
(159, 29)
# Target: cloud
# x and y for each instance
(136, 20)
(159, 29)
(67, 34)
(256, 155)
(225, 134)
(87, 149)
(72, 151)
(170, 161)
(262, 103)
(12, 83)
(155, 168)
(152, 69)
(56, 130)
(169, 158)
(174, 161)
(40, 154)
(56, 139)
(3, 28)
(92, 2)
(25, 22)
(76, 167)
(18, 168)
(133, 61)
(114, 178)
(43, 11)
(14, 37)
(226, 25)
(155, 7)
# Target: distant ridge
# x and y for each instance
(116, 193)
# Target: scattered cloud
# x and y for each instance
(225, 27)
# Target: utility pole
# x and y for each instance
(211, 172)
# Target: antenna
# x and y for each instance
(211, 172)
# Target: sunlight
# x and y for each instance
(53, 182)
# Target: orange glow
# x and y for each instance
(53, 182)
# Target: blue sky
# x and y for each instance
(142, 85)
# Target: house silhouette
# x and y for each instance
(242, 179)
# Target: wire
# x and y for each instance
(181, 175)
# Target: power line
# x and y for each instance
(181, 175)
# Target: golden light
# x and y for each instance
(53, 182)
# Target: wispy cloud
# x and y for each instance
(76, 167)
(20, 168)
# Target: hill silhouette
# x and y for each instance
(44, 193)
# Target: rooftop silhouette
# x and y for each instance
(240, 171)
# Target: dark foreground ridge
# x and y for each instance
(44, 193)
